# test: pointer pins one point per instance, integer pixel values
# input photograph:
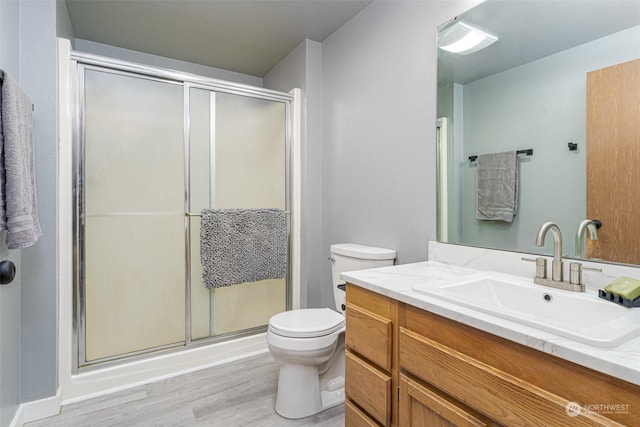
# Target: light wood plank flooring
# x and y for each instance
(241, 393)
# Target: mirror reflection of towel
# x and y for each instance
(497, 186)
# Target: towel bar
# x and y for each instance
(199, 214)
(528, 152)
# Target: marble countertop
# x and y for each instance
(397, 281)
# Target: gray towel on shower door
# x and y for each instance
(243, 245)
(497, 186)
(18, 205)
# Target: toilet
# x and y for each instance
(308, 344)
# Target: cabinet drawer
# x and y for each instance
(354, 417)
(368, 387)
(497, 394)
(371, 337)
(422, 407)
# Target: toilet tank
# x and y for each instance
(350, 257)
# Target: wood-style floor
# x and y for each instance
(241, 393)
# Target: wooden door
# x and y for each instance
(613, 161)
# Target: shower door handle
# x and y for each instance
(7, 272)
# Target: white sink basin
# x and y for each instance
(580, 316)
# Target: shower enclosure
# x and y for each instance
(152, 148)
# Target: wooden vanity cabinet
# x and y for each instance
(369, 358)
(443, 373)
(510, 384)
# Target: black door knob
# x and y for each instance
(7, 272)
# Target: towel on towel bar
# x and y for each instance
(243, 245)
(18, 205)
(497, 186)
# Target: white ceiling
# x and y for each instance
(529, 30)
(246, 36)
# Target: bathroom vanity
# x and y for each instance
(416, 360)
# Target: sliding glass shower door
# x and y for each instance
(237, 161)
(152, 150)
(133, 214)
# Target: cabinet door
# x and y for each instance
(420, 406)
(369, 387)
(354, 417)
(372, 337)
(499, 395)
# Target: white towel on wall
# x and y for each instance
(18, 204)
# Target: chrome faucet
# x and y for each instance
(556, 269)
(581, 235)
(556, 281)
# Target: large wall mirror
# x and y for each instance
(562, 80)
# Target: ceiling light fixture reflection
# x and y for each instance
(464, 39)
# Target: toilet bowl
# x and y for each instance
(305, 357)
(308, 344)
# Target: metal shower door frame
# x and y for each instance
(82, 62)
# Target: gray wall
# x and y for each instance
(9, 294)
(539, 105)
(10, 384)
(379, 96)
(302, 69)
(39, 293)
(30, 56)
(10, 38)
(64, 28)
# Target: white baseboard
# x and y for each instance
(37, 409)
(17, 418)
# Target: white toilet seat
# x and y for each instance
(306, 323)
